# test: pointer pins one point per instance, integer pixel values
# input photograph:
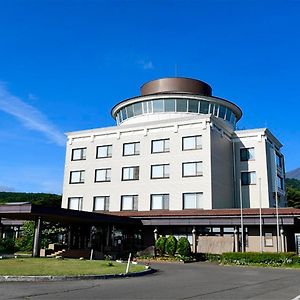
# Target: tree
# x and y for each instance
(171, 245)
(293, 192)
(160, 245)
(184, 247)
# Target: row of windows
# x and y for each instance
(189, 169)
(130, 202)
(157, 146)
(176, 105)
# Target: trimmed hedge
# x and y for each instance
(265, 259)
(171, 245)
(184, 247)
(160, 245)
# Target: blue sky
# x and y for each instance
(64, 64)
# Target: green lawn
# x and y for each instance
(52, 266)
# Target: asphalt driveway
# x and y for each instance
(172, 281)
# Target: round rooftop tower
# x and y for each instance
(168, 98)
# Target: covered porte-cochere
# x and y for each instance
(104, 233)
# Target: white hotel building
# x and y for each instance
(175, 147)
(176, 161)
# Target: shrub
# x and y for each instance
(265, 259)
(171, 245)
(160, 245)
(184, 247)
(7, 245)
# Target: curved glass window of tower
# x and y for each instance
(181, 105)
(192, 200)
(137, 108)
(222, 111)
(204, 107)
(193, 106)
(158, 105)
(169, 105)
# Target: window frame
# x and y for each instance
(165, 149)
(82, 154)
(248, 156)
(136, 149)
(192, 193)
(249, 179)
(131, 167)
(164, 176)
(107, 175)
(134, 203)
(80, 200)
(199, 173)
(198, 146)
(106, 203)
(165, 200)
(81, 178)
(109, 153)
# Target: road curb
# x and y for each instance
(78, 277)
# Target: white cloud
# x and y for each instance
(146, 65)
(29, 116)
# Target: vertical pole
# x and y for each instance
(155, 234)
(276, 201)
(194, 240)
(128, 263)
(37, 238)
(236, 239)
(242, 219)
(260, 218)
(282, 238)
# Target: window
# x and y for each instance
(131, 149)
(137, 108)
(79, 154)
(279, 160)
(248, 178)
(280, 184)
(77, 176)
(102, 175)
(181, 105)
(192, 200)
(160, 171)
(159, 201)
(101, 203)
(247, 154)
(193, 106)
(169, 105)
(129, 202)
(159, 146)
(191, 142)
(158, 105)
(75, 203)
(130, 173)
(192, 169)
(104, 151)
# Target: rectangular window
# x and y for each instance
(192, 200)
(193, 106)
(102, 175)
(77, 176)
(158, 105)
(104, 151)
(130, 173)
(246, 154)
(279, 160)
(204, 107)
(159, 201)
(131, 149)
(137, 108)
(191, 142)
(280, 183)
(248, 178)
(75, 203)
(159, 146)
(181, 105)
(192, 169)
(129, 202)
(160, 171)
(79, 154)
(101, 203)
(169, 105)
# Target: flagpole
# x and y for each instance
(260, 218)
(242, 220)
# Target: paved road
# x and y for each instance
(173, 281)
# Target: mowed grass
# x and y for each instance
(60, 267)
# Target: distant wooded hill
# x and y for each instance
(51, 200)
(293, 174)
(293, 192)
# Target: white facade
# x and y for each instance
(162, 157)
